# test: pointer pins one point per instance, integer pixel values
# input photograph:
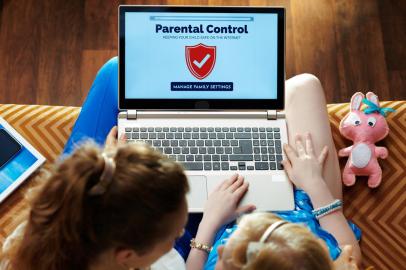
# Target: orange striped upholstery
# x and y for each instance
(47, 128)
(380, 213)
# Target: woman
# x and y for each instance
(118, 208)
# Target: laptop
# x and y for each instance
(205, 86)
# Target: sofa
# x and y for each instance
(380, 213)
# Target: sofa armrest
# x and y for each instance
(379, 212)
(47, 128)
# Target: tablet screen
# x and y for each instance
(9, 147)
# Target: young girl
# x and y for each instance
(265, 241)
(317, 178)
(118, 208)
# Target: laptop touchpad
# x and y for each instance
(197, 195)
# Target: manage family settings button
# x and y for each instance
(201, 86)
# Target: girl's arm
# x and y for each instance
(335, 223)
(304, 169)
(221, 208)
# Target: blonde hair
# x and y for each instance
(290, 246)
(67, 227)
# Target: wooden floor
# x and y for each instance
(51, 50)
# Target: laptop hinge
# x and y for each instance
(271, 114)
(131, 114)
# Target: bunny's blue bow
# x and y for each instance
(372, 107)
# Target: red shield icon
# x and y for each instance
(200, 59)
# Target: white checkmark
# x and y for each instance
(199, 65)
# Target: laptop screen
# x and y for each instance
(201, 55)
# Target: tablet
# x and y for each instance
(18, 159)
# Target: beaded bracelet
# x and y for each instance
(325, 210)
(194, 244)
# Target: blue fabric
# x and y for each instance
(182, 245)
(100, 109)
(302, 215)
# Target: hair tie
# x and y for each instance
(105, 178)
(255, 246)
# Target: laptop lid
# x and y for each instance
(189, 57)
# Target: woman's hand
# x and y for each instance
(222, 205)
(303, 167)
(111, 139)
(221, 208)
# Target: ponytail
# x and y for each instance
(70, 225)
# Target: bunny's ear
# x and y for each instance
(356, 101)
(373, 98)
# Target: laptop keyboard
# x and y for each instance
(215, 148)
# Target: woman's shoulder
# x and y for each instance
(15, 236)
(170, 261)
(8, 244)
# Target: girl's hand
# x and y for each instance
(111, 139)
(346, 260)
(303, 167)
(222, 205)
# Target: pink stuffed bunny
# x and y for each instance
(364, 128)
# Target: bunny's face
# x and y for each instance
(358, 126)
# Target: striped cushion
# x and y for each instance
(47, 128)
(380, 213)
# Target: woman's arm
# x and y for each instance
(205, 235)
(221, 208)
(304, 168)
